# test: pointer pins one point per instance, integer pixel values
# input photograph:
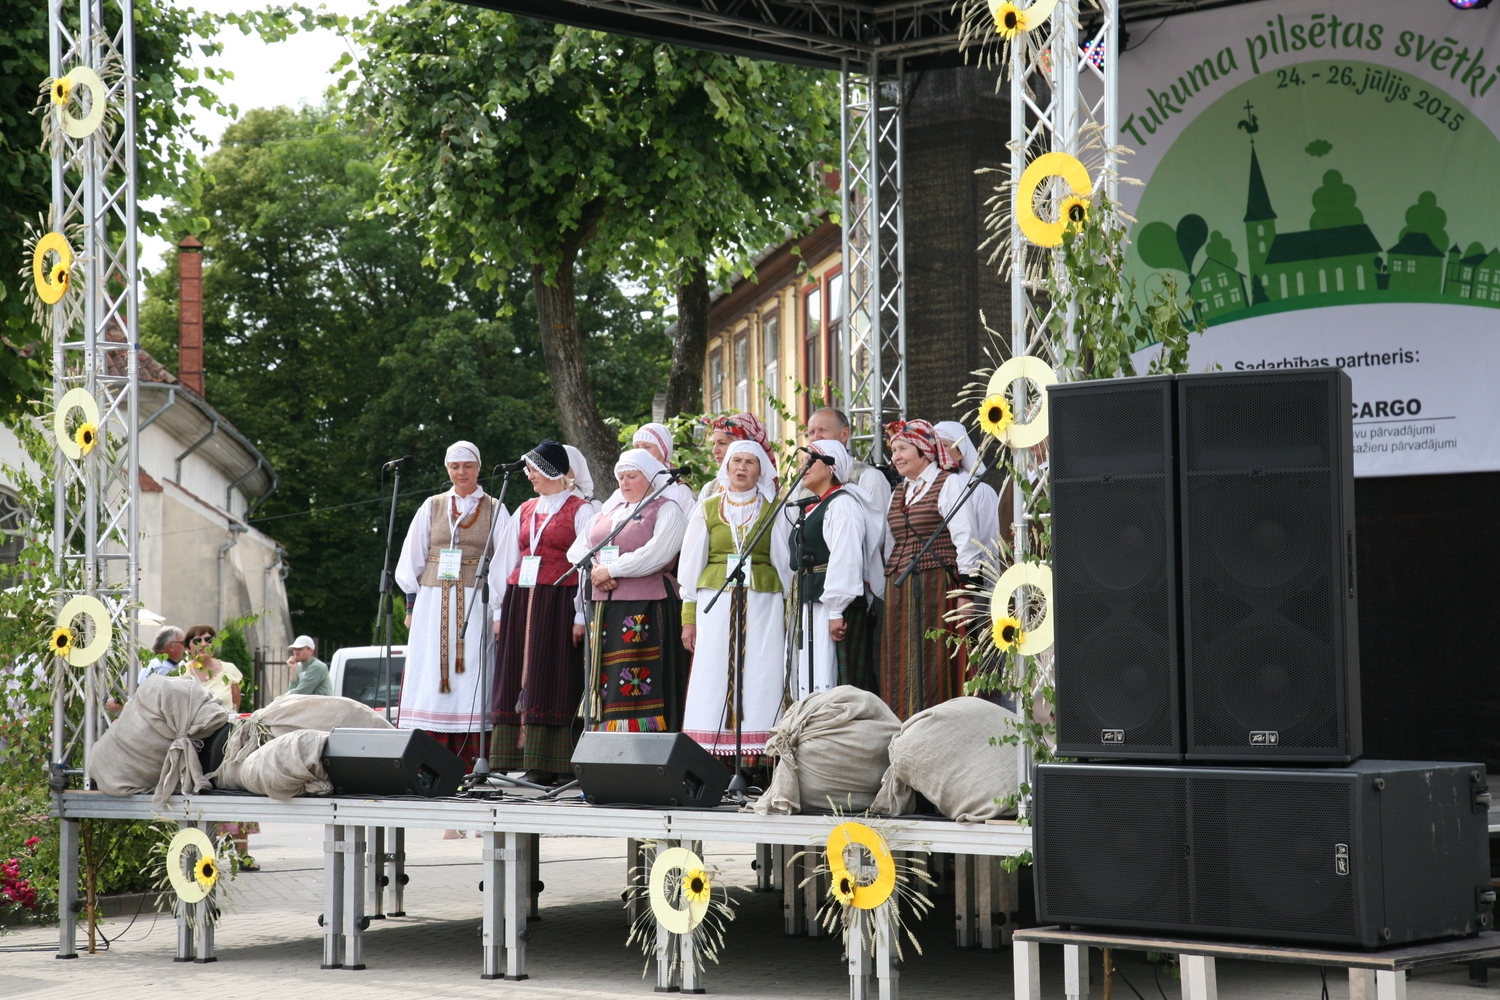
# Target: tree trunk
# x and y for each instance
(562, 349)
(685, 383)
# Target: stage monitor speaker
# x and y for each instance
(1377, 853)
(391, 762)
(1270, 623)
(1114, 559)
(648, 769)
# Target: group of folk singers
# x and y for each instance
(662, 657)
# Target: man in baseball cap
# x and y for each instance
(311, 672)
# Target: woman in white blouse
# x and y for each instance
(638, 669)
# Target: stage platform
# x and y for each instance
(364, 861)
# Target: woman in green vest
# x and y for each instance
(718, 535)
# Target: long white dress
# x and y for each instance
(423, 705)
(706, 717)
(850, 540)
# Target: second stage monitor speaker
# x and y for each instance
(1114, 549)
(1270, 625)
(648, 769)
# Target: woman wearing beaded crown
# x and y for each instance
(439, 563)
(539, 665)
(841, 539)
(639, 668)
(718, 538)
(917, 672)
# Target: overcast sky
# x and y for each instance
(265, 76)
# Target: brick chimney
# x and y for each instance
(190, 314)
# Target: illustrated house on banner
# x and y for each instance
(1416, 265)
(1475, 275)
(1218, 289)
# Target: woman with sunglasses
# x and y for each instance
(221, 678)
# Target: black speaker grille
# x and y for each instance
(1109, 431)
(1269, 848)
(1115, 630)
(1242, 424)
(1114, 847)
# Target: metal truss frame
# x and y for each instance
(872, 357)
(1058, 90)
(96, 498)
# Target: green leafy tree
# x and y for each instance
(519, 146)
(1333, 204)
(166, 36)
(1426, 217)
(1168, 249)
(1221, 250)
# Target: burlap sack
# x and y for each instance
(288, 714)
(152, 746)
(830, 750)
(945, 753)
(288, 766)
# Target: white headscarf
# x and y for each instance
(656, 434)
(843, 462)
(641, 461)
(462, 451)
(765, 486)
(578, 468)
(952, 432)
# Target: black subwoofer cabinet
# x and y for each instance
(1377, 853)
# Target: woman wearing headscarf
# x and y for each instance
(639, 668)
(960, 452)
(539, 671)
(578, 471)
(657, 439)
(718, 538)
(725, 431)
(839, 544)
(917, 672)
(439, 563)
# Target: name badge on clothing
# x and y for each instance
(450, 563)
(530, 567)
(735, 560)
(609, 555)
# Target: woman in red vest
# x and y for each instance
(539, 666)
(638, 668)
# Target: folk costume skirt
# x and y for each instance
(851, 661)
(917, 672)
(424, 704)
(538, 681)
(641, 666)
(709, 716)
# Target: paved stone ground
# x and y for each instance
(270, 945)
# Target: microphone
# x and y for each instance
(404, 462)
(515, 466)
(680, 470)
(817, 456)
(804, 502)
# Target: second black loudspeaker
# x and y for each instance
(648, 769)
(1114, 548)
(1270, 626)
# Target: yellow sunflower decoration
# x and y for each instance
(86, 436)
(843, 890)
(995, 416)
(1010, 21)
(206, 873)
(1074, 210)
(61, 642)
(697, 886)
(1007, 632)
(62, 89)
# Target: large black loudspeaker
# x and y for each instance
(648, 769)
(1114, 550)
(391, 762)
(1378, 853)
(1270, 627)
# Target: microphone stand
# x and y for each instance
(385, 592)
(738, 785)
(583, 566)
(482, 587)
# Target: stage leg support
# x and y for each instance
(690, 974)
(67, 889)
(815, 890)
(1390, 985)
(1027, 963)
(1076, 972)
(493, 873)
(965, 914)
(765, 870)
(793, 908)
(395, 869)
(185, 950)
(861, 962)
(1200, 979)
(355, 923)
(333, 897)
(376, 837)
(986, 901)
(517, 863)
(635, 880)
(534, 876)
(887, 971)
(779, 854)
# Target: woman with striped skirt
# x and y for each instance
(917, 672)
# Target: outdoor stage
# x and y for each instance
(510, 828)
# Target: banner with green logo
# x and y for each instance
(1326, 177)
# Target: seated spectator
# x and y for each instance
(311, 672)
(168, 647)
(221, 678)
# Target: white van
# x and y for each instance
(357, 672)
